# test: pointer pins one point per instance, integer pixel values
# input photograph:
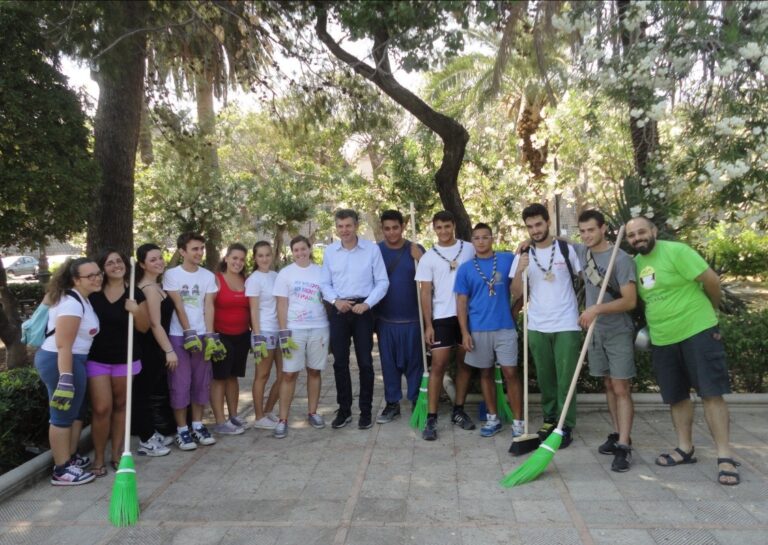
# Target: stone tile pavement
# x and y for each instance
(386, 486)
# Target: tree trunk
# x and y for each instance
(10, 325)
(146, 151)
(277, 245)
(450, 131)
(120, 75)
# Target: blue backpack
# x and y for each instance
(34, 331)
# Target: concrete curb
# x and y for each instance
(35, 469)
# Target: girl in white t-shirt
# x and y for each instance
(258, 289)
(60, 361)
(304, 332)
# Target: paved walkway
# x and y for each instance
(386, 486)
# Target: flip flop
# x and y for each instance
(99, 471)
(686, 458)
(723, 473)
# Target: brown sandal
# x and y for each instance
(99, 471)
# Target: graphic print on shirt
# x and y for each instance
(191, 297)
(648, 277)
(306, 292)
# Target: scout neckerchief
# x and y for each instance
(396, 262)
(549, 276)
(453, 263)
(489, 283)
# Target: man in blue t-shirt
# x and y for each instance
(397, 317)
(488, 330)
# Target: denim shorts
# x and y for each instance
(47, 365)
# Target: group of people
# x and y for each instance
(200, 327)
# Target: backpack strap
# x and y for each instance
(563, 245)
(610, 289)
(71, 293)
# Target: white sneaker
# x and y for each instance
(281, 430)
(153, 447)
(518, 428)
(165, 440)
(227, 428)
(264, 423)
(273, 417)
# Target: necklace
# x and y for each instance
(489, 283)
(549, 276)
(453, 263)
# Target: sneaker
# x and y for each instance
(202, 436)
(227, 428)
(165, 440)
(71, 475)
(364, 422)
(460, 418)
(430, 429)
(567, 437)
(316, 421)
(77, 460)
(390, 412)
(342, 419)
(184, 441)
(609, 447)
(622, 458)
(264, 423)
(546, 430)
(490, 428)
(518, 428)
(237, 422)
(153, 447)
(281, 430)
(273, 417)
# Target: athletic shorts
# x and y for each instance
(312, 351)
(697, 362)
(447, 333)
(491, 347)
(96, 369)
(233, 365)
(612, 354)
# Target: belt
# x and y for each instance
(354, 300)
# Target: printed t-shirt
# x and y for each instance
(86, 331)
(436, 269)
(192, 287)
(301, 285)
(486, 312)
(676, 306)
(399, 304)
(232, 315)
(552, 305)
(260, 285)
(623, 274)
(111, 343)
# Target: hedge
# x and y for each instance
(24, 414)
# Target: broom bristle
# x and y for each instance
(124, 505)
(536, 464)
(419, 416)
(502, 403)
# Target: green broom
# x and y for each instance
(124, 505)
(420, 410)
(502, 403)
(539, 460)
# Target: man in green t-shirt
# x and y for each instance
(681, 293)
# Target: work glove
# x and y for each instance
(286, 343)
(259, 347)
(64, 393)
(192, 342)
(214, 348)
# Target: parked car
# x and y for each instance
(20, 265)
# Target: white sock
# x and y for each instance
(196, 425)
(518, 423)
(491, 417)
(182, 429)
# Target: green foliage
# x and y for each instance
(33, 291)
(24, 414)
(737, 252)
(744, 337)
(46, 170)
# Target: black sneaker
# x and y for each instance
(364, 422)
(546, 429)
(390, 412)
(460, 418)
(609, 447)
(622, 458)
(567, 437)
(342, 419)
(430, 429)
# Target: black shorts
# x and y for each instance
(237, 354)
(697, 362)
(447, 333)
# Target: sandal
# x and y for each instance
(99, 471)
(115, 465)
(723, 473)
(686, 458)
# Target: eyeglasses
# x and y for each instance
(93, 276)
(482, 237)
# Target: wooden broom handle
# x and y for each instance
(418, 295)
(129, 375)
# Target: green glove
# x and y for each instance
(64, 393)
(259, 347)
(192, 342)
(287, 343)
(214, 348)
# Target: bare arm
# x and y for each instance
(711, 284)
(426, 310)
(253, 304)
(517, 280)
(161, 337)
(625, 303)
(209, 310)
(461, 314)
(66, 331)
(140, 315)
(181, 313)
(282, 312)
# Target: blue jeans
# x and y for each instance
(400, 351)
(359, 328)
(47, 365)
